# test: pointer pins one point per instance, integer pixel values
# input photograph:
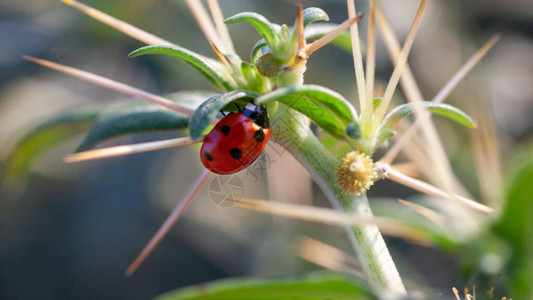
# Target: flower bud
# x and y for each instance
(356, 172)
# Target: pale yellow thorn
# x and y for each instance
(331, 217)
(466, 293)
(119, 25)
(400, 65)
(442, 174)
(169, 222)
(456, 293)
(111, 84)
(429, 214)
(431, 190)
(321, 42)
(221, 27)
(407, 81)
(325, 255)
(486, 152)
(441, 95)
(370, 64)
(465, 69)
(302, 44)
(128, 149)
(358, 64)
(407, 168)
(204, 21)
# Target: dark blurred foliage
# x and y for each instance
(71, 230)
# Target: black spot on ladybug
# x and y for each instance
(235, 153)
(208, 156)
(259, 135)
(225, 130)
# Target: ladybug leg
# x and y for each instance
(223, 113)
(238, 107)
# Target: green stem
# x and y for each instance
(290, 129)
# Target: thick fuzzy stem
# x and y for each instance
(290, 129)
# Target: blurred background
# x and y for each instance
(70, 230)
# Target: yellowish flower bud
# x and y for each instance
(355, 172)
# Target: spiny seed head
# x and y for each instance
(355, 172)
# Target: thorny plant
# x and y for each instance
(274, 77)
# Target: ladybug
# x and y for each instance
(237, 140)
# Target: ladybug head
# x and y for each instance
(257, 113)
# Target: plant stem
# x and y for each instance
(290, 129)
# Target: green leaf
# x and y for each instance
(47, 135)
(141, 116)
(515, 224)
(516, 220)
(442, 109)
(208, 68)
(328, 109)
(207, 111)
(267, 30)
(316, 31)
(376, 102)
(132, 118)
(256, 50)
(315, 286)
(313, 14)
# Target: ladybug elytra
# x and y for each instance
(236, 141)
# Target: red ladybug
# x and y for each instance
(236, 140)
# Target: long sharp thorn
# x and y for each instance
(327, 216)
(429, 214)
(441, 95)
(119, 25)
(111, 84)
(300, 27)
(169, 222)
(428, 189)
(402, 61)
(332, 34)
(370, 64)
(128, 149)
(358, 63)
(221, 27)
(408, 82)
(465, 69)
(205, 23)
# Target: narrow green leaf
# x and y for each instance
(51, 133)
(324, 285)
(316, 31)
(208, 109)
(140, 116)
(313, 14)
(132, 118)
(208, 68)
(257, 50)
(328, 109)
(267, 30)
(442, 109)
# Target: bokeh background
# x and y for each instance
(70, 230)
